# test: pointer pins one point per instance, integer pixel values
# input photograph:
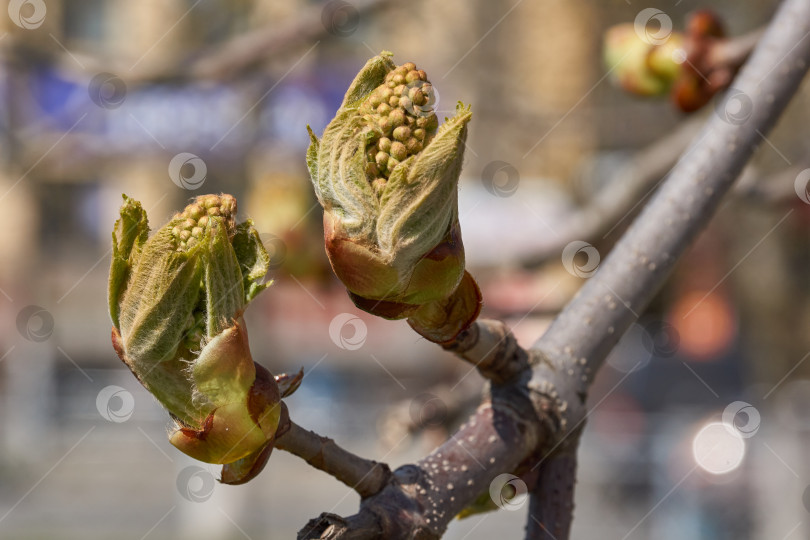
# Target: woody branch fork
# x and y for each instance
(533, 421)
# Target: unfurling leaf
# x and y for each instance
(176, 302)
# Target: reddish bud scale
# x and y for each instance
(699, 80)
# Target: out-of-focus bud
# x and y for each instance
(641, 67)
(681, 64)
(705, 23)
(701, 78)
(387, 177)
(665, 60)
(176, 302)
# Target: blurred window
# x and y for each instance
(69, 215)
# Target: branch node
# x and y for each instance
(493, 349)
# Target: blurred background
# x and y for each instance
(164, 100)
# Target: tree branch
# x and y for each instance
(552, 500)
(422, 498)
(527, 420)
(492, 348)
(580, 338)
(364, 476)
(608, 303)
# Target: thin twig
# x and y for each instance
(365, 476)
(774, 188)
(248, 50)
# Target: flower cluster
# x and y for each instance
(196, 217)
(399, 121)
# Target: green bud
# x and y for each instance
(176, 301)
(398, 150)
(402, 133)
(390, 204)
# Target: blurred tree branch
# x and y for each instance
(580, 338)
(632, 183)
(734, 51)
(220, 62)
(626, 189)
(441, 407)
(530, 424)
(251, 49)
(773, 188)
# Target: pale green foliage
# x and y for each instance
(199, 270)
